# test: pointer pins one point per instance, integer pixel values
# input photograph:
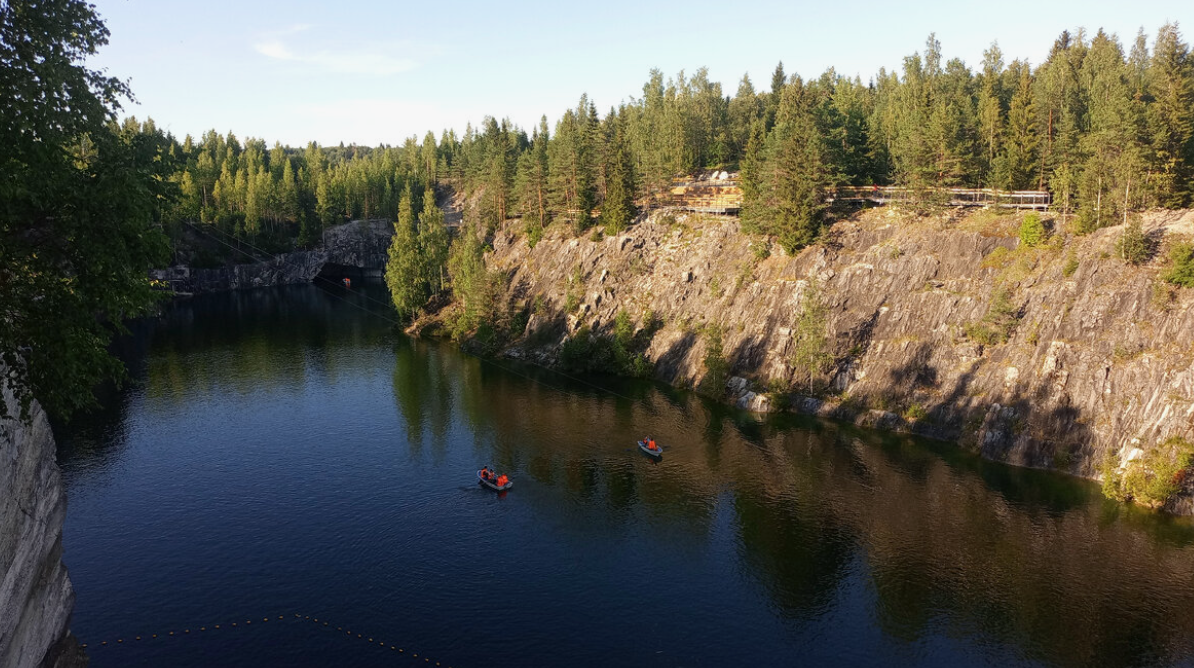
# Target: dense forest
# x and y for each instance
(86, 198)
(1104, 129)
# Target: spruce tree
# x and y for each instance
(433, 242)
(405, 274)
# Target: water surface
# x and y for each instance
(285, 453)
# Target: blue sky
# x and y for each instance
(377, 72)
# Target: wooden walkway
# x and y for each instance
(725, 197)
(1012, 199)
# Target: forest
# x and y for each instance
(1104, 129)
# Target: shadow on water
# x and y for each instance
(846, 534)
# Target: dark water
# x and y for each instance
(285, 453)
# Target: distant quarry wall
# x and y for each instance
(1096, 369)
(36, 598)
(353, 249)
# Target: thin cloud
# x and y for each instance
(381, 59)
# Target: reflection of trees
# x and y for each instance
(1062, 585)
(951, 545)
(243, 341)
(422, 380)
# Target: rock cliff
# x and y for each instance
(36, 598)
(1061, 356)
(358, 248)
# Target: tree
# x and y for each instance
(783, 187)
(809, 340)
(404, 270)
(77, 231)
(433, 242)
(1032, 230)
(1171, 117)
(618, 208)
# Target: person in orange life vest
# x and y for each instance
(651, 445)
(485, 472)
(502, 480)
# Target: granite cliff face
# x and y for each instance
(358, 248)
(36, 598)
(1096, 366)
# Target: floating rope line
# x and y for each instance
(376, 641)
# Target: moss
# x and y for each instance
(1071, 266)
(997, 259)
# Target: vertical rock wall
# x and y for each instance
(36, 598)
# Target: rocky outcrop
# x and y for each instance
(358, 248)
(36, 598)
(1096, 360)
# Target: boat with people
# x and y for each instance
(650, 447)
(490, 478)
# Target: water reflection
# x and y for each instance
(948, 543)
(845, 534)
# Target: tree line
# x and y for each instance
(1104, 129)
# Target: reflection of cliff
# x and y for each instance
(945, 543)
(253, 337)
(1100, 357)
(36, 597)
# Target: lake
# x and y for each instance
(285, 455)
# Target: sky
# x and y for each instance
(376, 72)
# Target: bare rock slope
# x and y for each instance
(1097, 361)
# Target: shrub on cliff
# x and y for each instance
(1182, 271)
(717, 368)
(999, 323)
(1152, 479)
(1032, 230)
(1133, 246)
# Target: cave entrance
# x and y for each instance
(335, 272)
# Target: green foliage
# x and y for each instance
(810, 341)
(1133, 246)
(534, 231)
(474, 288)
(1181, 273)
(997, 259)
(1152, 479)
(1032, 230)
(784, 180)
(82, 200)
(1071, 265)
(999, 323)
(406, 274)
(588, 351)
(915, 413)
(717, 368)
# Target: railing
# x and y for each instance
(1014, 199)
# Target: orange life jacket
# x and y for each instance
(501, 481)
(652, 445)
